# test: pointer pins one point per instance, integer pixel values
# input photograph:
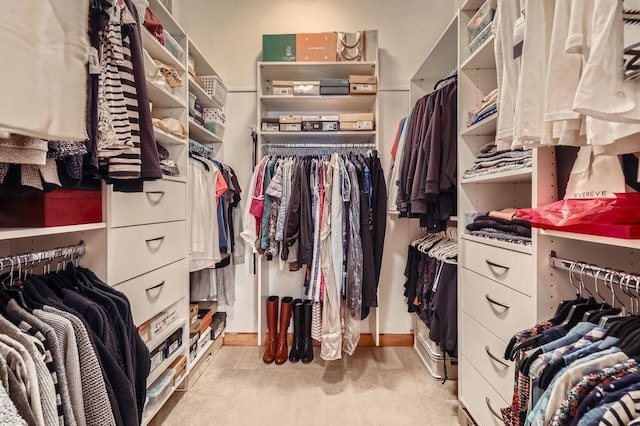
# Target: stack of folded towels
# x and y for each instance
(490, 160)
(500, 225)
(488, 108)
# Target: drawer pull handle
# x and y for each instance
(495, 358)
(158, 199)
(150, 240)
(493, 412)
(155, 286)
(502, 305)
(496, 265)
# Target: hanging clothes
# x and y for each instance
(426, 177)
(326, 215)
(71, 352)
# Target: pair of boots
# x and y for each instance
(277, 347)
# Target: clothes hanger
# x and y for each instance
(595, 319)
(199, 159)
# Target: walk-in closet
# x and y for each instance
(308, 212)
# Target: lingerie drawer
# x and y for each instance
(136, 250)
(511, 268)
(155, 291)
(161, 201)
(498, 308)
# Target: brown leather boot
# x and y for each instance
(282, 351)
(272, 324)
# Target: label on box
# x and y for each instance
(330, 126)
(364, 125)
(362, 87)
(329, 118)
(311, 126)
(218, 331)
(282, 90)
(312, 118)
(156, 360)
(270, 127)
(291, 127)
(173, 347)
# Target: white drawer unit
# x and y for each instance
(161, 201)
(155, 291)
(498, 308)
(511, 268)
(486, 352)
(136, 250)
(479, 398)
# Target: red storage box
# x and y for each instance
(58, 208)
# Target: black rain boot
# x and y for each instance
(296, 347)
(307, 342)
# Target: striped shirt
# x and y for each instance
(623, 411)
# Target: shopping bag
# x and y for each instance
(595, 176)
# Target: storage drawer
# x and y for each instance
(135, 250)
(486, 352)
(421, 329)
(155, 291)
(511, 268)
(479, 398)
(499, 309)
(161, 201)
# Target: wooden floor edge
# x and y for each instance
(366, 340)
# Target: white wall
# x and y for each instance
(229, 32)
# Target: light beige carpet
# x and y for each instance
(376, 386)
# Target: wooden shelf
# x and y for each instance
(158, 51)
(314, 70)
(162, 98)
(345, 137)
(511, 176)
(203, 97)
(201, 134)
(326, 103)
(165, 138)
(483, 58)
(610, 241)
(157, 372)
(147, 416)
(153, 343)
(497, 243)
(14, 233)
(486, 127)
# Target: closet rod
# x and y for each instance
(613, 276)
(37, 257)
(319, 145)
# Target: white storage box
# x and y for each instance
(214, 86)
(436, 364)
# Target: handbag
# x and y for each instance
(595, 176)
(154, 25)
(351, 46)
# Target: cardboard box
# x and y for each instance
(144, 331)
(334, 90)
(157, 355)
(205, 316)
(279, 48)
(174, 342)
(363, 89)
(180, 367)
(311, 118)
(356, 125)
(282, 87)
(290, 119)
(158, 324)
(363, 79)
(291, 127)
(330, 126)
(270, 125)
(306, 88)
(193, 313)
(195, 327)
(316, 47)
(219, 323)
(205, 337)
(357, 116)
(57, 208)
(329, 118)
(312, 126)
(334, 82)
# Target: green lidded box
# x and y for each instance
(279, 47)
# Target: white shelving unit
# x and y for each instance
(511, 176)
(269, 279)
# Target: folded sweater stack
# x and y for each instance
(488, 108)
(491, 161)
(501, 225)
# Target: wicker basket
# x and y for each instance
(215, 88)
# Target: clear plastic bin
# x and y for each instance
(484, 36)
(482, 19)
